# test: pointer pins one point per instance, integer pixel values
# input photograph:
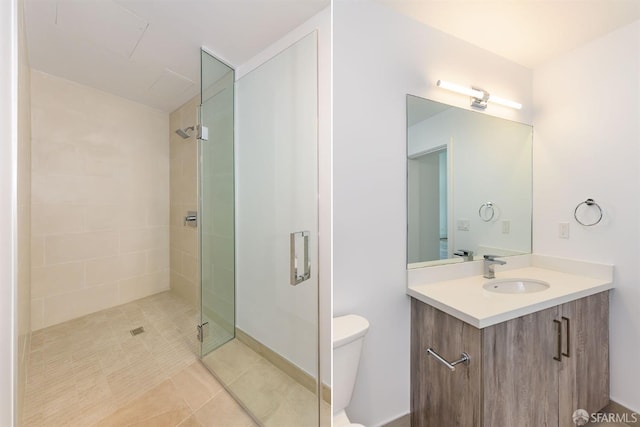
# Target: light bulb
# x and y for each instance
(478, 94)
(505, 102)
(460, 89)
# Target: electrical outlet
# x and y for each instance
(563, 230)
(463, 225)
(506, 226)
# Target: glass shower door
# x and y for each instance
(269, 363)
(216, 195)
(277, 272)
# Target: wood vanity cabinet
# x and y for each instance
(514, 378)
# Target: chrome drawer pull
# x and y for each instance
(464, 358)
(566, 354)
(558, 355)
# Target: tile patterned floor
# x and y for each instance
(272, 396)
(191, 398)
(92, 371)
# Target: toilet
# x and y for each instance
(348, 336)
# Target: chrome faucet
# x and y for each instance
(466, 255)
(490, 262)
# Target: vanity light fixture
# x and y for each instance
(479, 97)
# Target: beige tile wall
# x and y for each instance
(100, 200)
(184, 197)
(24, 208)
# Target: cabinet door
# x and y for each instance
(520, 375)
(440, 397)
(584, 375)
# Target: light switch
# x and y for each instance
(563, 230)
(506, 226)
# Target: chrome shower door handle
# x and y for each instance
(296, 240)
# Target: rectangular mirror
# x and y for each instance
(469, 184)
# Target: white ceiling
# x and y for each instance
(528, 32)
(149, 50)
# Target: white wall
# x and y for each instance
(588, 146)
(321, 22)
(379, 57)
(8, 201)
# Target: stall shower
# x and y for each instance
(164, 252)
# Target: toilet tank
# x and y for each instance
(348, 336)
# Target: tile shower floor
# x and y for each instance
(92, 371)
(275, 398)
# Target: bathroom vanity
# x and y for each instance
(534, 358)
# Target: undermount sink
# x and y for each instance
(516, 286)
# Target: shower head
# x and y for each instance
(183, 132)
(202, 132)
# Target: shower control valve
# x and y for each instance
(191, 219)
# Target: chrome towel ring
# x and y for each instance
(588, 202)
(486, 211)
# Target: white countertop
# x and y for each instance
(465, 298)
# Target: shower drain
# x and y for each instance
(137, 331)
